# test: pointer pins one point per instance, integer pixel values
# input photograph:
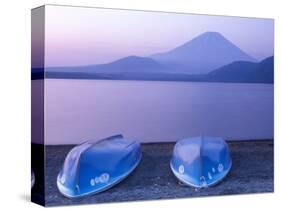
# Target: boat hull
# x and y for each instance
(201, 161)
(93, 167)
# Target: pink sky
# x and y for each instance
(81, 36)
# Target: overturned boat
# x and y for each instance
(201, 161)
(95, 166)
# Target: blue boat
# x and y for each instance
(95, 166)
(201, 161)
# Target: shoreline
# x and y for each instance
(252, 172)
(265, 140)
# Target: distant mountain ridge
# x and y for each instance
(236, 72)
(129, 64)
(206, 55)
(242, 71)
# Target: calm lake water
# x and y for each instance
(153, 111)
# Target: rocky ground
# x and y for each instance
(252, 172)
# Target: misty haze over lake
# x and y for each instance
(155, 111)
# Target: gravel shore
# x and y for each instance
(252, 172)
